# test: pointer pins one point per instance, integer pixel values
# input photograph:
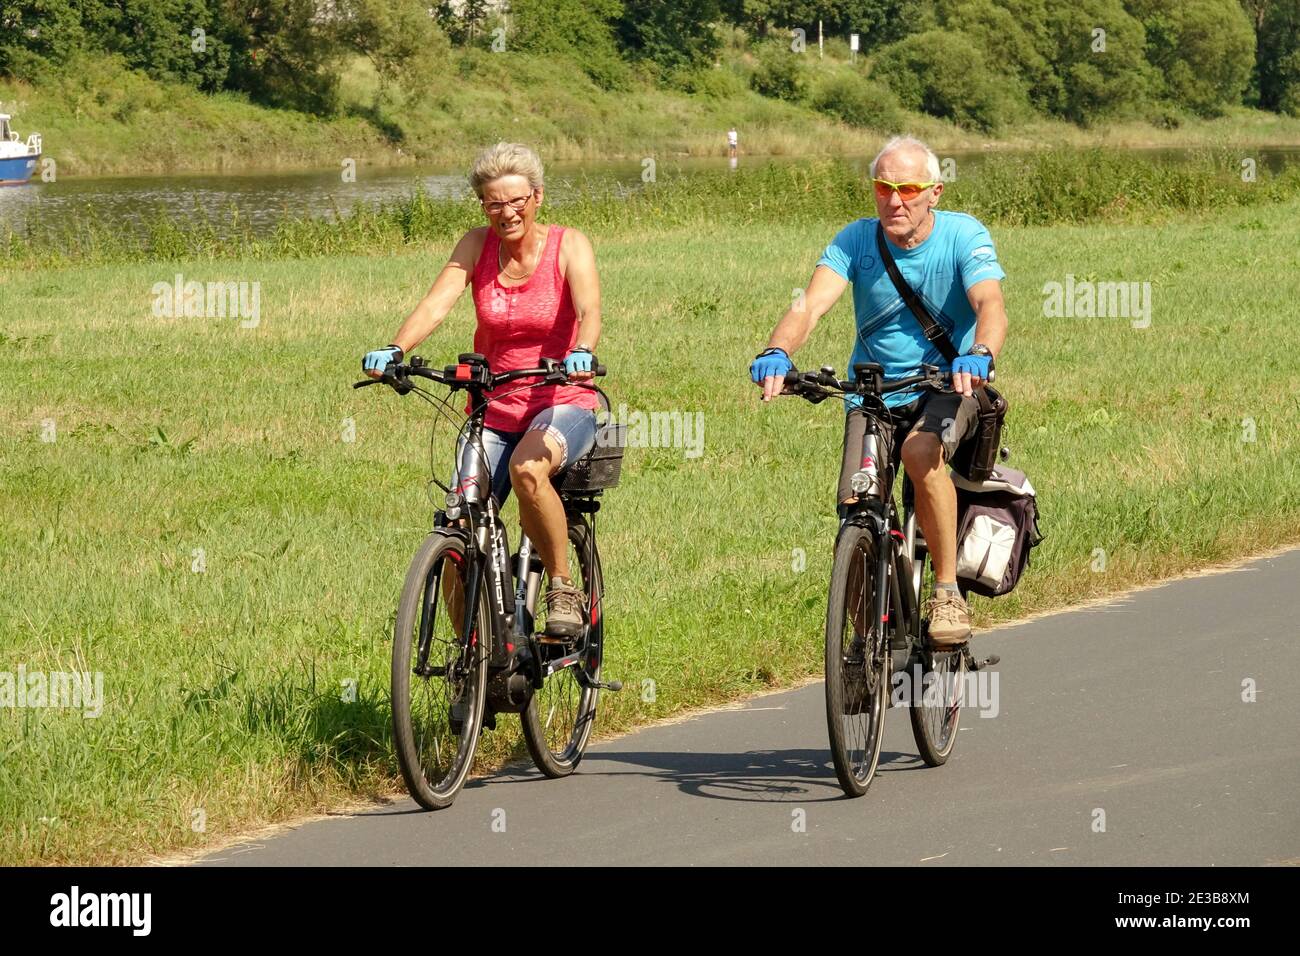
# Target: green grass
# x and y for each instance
(100, 119)
(223, 687)
(1057, 186)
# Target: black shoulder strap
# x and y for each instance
(932, 330)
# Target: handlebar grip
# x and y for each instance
(600, 371)
(369, 381)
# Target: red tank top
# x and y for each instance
(519, 326)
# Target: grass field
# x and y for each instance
(184, 514)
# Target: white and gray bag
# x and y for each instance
(997, 526)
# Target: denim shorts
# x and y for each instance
(573, 429)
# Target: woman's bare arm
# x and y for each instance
(455, 276)
(579, 264)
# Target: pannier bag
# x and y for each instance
(997, 526)
(978, 455)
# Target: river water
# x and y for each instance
(262, 199)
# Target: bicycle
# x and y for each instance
(451, 675)
(875, 553)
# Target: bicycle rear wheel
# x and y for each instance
(857, 663)
(439, 679)
(560, 716)
(938, 690)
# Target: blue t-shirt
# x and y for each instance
(957, 254)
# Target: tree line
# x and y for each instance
(977, 62)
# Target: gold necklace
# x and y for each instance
(509, 274)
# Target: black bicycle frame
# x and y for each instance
(486, 541)
(880, 517)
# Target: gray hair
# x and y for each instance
(505, 159)
(909, 142)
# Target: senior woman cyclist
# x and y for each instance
(536, 294)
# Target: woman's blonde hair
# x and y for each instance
(505, 159)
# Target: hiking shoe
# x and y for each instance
(564, 605)
(949, 620)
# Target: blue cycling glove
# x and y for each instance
(976, 365)
(768, 363)
(579, 360)
(379, 359)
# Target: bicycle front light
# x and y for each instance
(453, 502)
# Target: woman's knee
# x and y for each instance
(530, 468)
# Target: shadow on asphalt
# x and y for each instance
(758, 776)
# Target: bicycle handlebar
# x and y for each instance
(471, 371)
(868, 380)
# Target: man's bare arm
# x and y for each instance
(990, 326)
(799, 321)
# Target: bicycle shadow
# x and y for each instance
(755, 776)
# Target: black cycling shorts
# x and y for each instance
(954, 418)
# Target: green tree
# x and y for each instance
(36, 33)
(463, 21)
(857, 101)
(878, 22)
(1203, 49)
(1097, 50)
(945, 73)
(172, 40)
(672, 33)
(780, 73)
(1009, 44)
(281, 53)
(400, 39)
(1278, 56)
(577, 30)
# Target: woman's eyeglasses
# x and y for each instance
(496, 208)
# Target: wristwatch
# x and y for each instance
(984, 350)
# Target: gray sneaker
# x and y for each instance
(949, 620)
(564, 606)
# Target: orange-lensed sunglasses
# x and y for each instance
(906, 191)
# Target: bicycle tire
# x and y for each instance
(559, 718)
(855, 710)
(938, 683)
(435, 748)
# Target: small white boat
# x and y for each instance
(17, 159)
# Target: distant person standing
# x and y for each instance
(732, 139)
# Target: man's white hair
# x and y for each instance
(910, 143)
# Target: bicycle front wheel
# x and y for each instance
(857, 663)
(439, 675)
(560, 716)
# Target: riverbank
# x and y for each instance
(103, 120)
(195, 507)
(1041, 188)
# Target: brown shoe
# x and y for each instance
(949, 620)
(564, 605)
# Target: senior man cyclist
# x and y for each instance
(949, 260)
